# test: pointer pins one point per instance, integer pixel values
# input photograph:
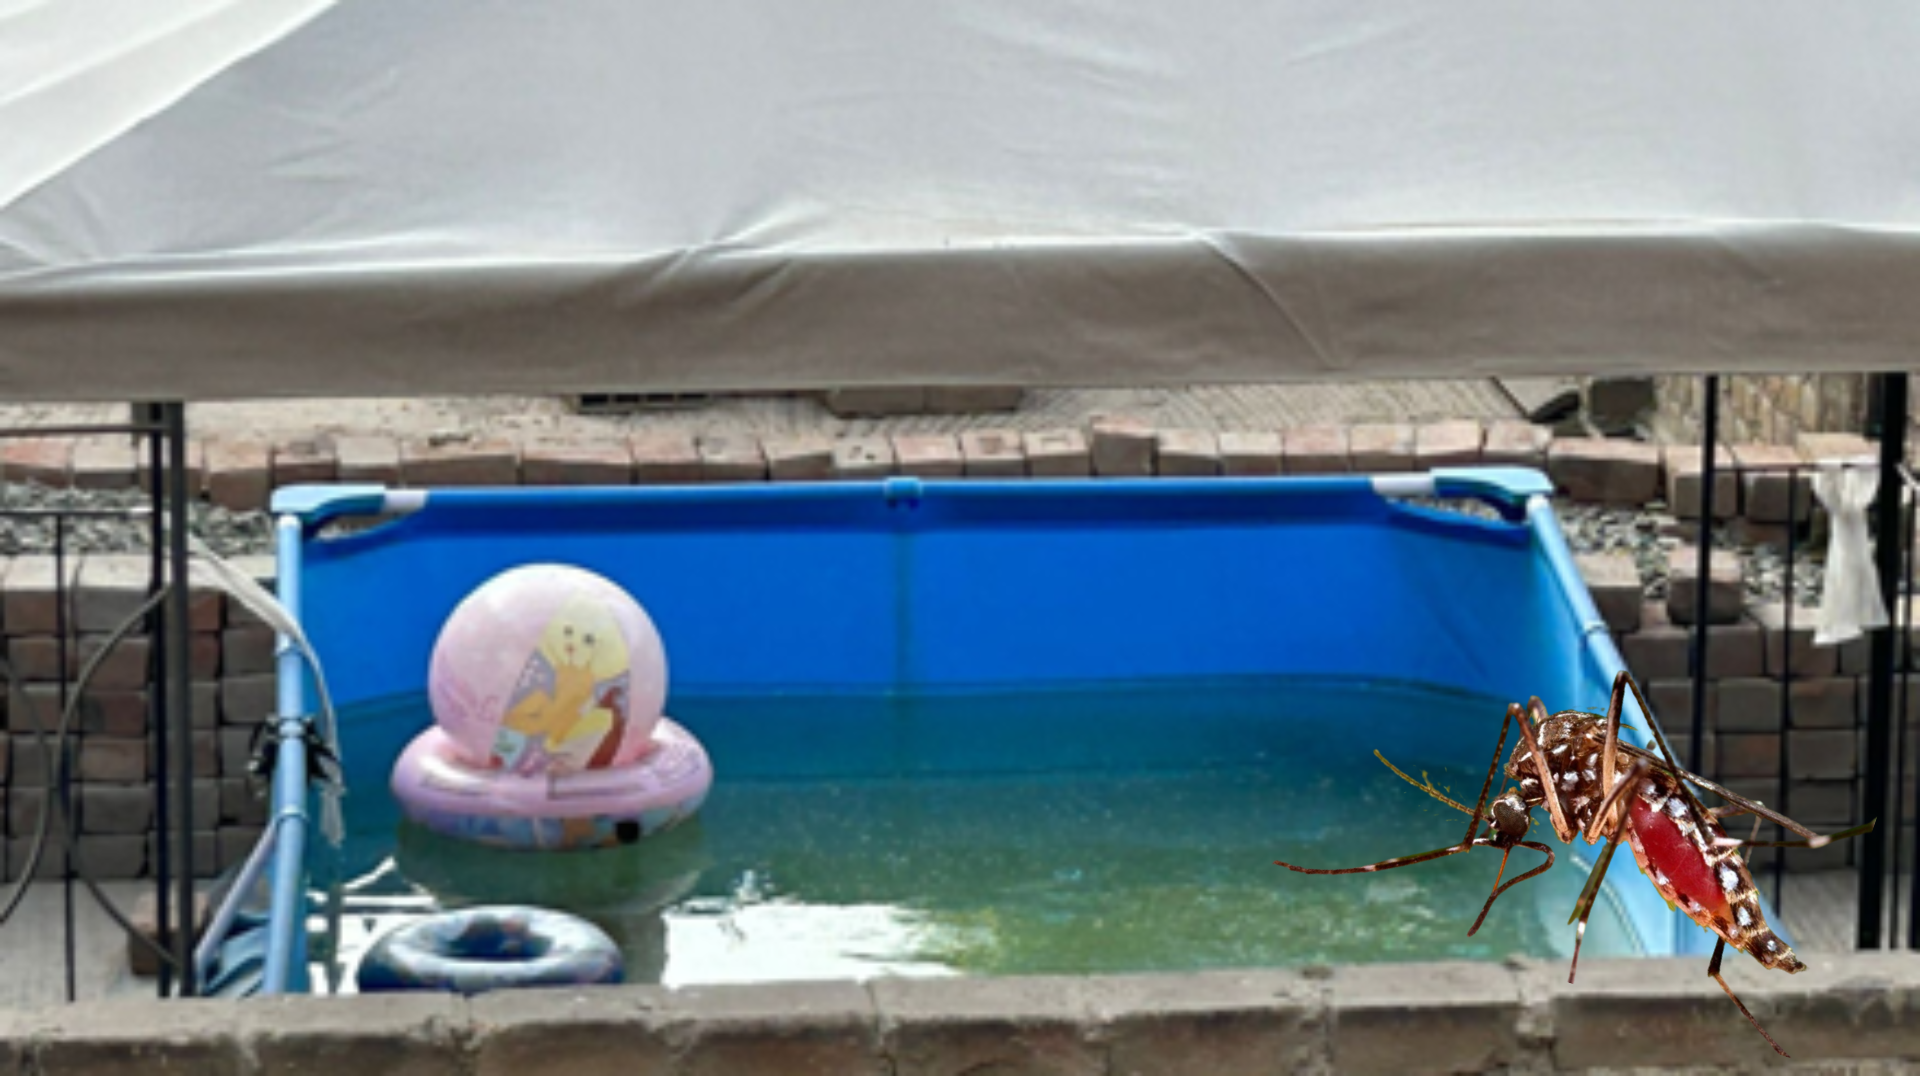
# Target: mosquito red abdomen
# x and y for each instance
(1674, 858)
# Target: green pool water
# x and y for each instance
(1071, 831)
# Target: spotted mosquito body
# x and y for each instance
(1573, 765)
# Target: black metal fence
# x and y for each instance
(1895, 771)
(1876, 737)
(49, 727)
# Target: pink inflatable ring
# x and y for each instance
(554, 812)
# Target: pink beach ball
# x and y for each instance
(548, 668)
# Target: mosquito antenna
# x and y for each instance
(1426, 787)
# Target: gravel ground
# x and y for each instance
(1649, 534)
(117, 523)
(1646, 534)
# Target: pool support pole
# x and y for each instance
(286, 920)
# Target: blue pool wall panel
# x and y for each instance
(842, 587)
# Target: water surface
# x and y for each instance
(1072, 831)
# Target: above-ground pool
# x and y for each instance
(979, 727)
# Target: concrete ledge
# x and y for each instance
(415, 1034)
(1240, 1023)
(1454, 1018)
(597, 1031)
(1032, 1025)
(158, 1038)
(1663, 1013)
(1856, 1012)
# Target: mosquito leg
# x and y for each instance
(1584, 905)
(1624, 789)
(1686, 790)
(1610, 749)
(1748, 806)
(1487, 785)
(1721, 813)
(1713, 969)
(1530, 735)
(1817, 841)
(1590, 893)
(1499, 889)
(1392, 864)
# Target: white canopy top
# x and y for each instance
(239, 198)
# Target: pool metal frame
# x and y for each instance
(1519, 495)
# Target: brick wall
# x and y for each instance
(231, 660)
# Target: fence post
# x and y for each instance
(1697, 660)
(1887, 508)
(176, 691)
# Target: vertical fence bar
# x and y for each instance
(60, 799)
(178, 691)
(1906, 722)
(1904, 622)
(1786, 691)
(1709, 441)
(156, 705)
(1873, 863)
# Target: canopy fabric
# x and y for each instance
(216, 199)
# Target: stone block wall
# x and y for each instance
(1764, 408)
(111, 736)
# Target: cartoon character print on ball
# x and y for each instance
(549, 670)
(568, 712)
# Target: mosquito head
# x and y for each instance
(1510, 818)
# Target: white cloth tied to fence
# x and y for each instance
(1850, 605)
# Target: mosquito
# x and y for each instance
(1596, 787)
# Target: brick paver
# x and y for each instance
(1062, 453)
(1188, 452)
(1617, 471)
(1123, 446)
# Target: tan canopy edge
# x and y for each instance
(215, 198)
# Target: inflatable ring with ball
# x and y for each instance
(547, 685)
(479, 949)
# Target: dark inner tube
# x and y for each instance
(485, 937)
(480, 950)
